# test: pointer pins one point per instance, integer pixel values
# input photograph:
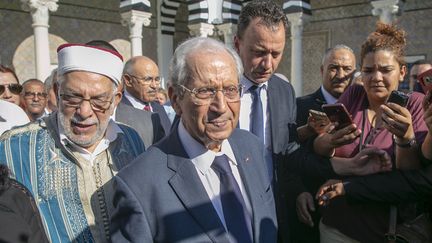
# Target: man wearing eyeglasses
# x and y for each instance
(67, 159)
(34, 98)
(141, 81)
(205, 181)
(10, 88)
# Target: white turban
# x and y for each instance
(79, 57)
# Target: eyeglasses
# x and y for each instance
(96, 104)
(205, 95)
(32, 95)
(13, 88)
(147, 79)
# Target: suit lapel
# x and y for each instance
(189, 189)
(250, 178)
(319, 97)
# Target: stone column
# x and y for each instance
(296, 22)
(135, 20)
(228, 31)
(39, 10)
(201, 29)
(385, 9)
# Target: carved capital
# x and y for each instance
(297, 20)
(135, 20)
(227, 29)
(201, 29)
(39, 10)
(385, 9)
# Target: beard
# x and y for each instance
(82, 141)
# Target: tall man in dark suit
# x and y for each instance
(268, 109)
(141, 81)
(206, 181)
(337, 70)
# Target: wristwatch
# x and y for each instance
(411, 143)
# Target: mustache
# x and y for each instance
(87, 122)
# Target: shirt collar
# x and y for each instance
(201, 157)
(137, 103)
(327, 96)
(111, 134)
(247, 84)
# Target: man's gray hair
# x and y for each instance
(335, 48)
(178, 66)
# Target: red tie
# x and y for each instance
(147, 107)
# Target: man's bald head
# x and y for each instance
(141, 78)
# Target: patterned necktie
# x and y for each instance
(147, 107)
(257, 116)
(237, 219)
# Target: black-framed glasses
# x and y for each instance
(147, 79)
(32, 95)
(97, 104)
(13, 88)
(205, 95)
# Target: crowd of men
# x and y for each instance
(223, 156)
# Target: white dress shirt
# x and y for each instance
(110, 135)
(136, 102)
(246, 115)
(202, 158)
(327, 96)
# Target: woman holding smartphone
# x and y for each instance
(376, 123)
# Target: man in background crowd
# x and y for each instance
(34, 99)
(141, 81)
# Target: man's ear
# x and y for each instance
(237, 44)
(127, 80)
(174, 98)
(117, 97)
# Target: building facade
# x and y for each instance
(31, 30)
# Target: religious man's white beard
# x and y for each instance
(100, 131)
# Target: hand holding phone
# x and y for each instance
(338, 113)
(399, 98)
(425, 80)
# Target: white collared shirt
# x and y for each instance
(327, 96)
(246, 115)
(111, 134)
(202, 158)
(135, 102)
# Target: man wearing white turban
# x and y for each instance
(67, 159)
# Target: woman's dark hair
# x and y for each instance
(386, 37)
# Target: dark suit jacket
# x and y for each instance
(290, 160)
(393, 187)
(157, 109)
(308, 102)
(147, 124)
(160, 198)
(165, 121)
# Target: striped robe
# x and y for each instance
(59, 182)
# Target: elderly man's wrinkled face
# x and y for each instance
(11, 88)
(86, 103)
(144, 80)
(209, 120)
(34, 99)
(337, 71)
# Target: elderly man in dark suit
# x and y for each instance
(206, 181)
(141, 80)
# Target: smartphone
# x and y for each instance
(337, 113)
(399, 98)
(318, 115)
(425, 79)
